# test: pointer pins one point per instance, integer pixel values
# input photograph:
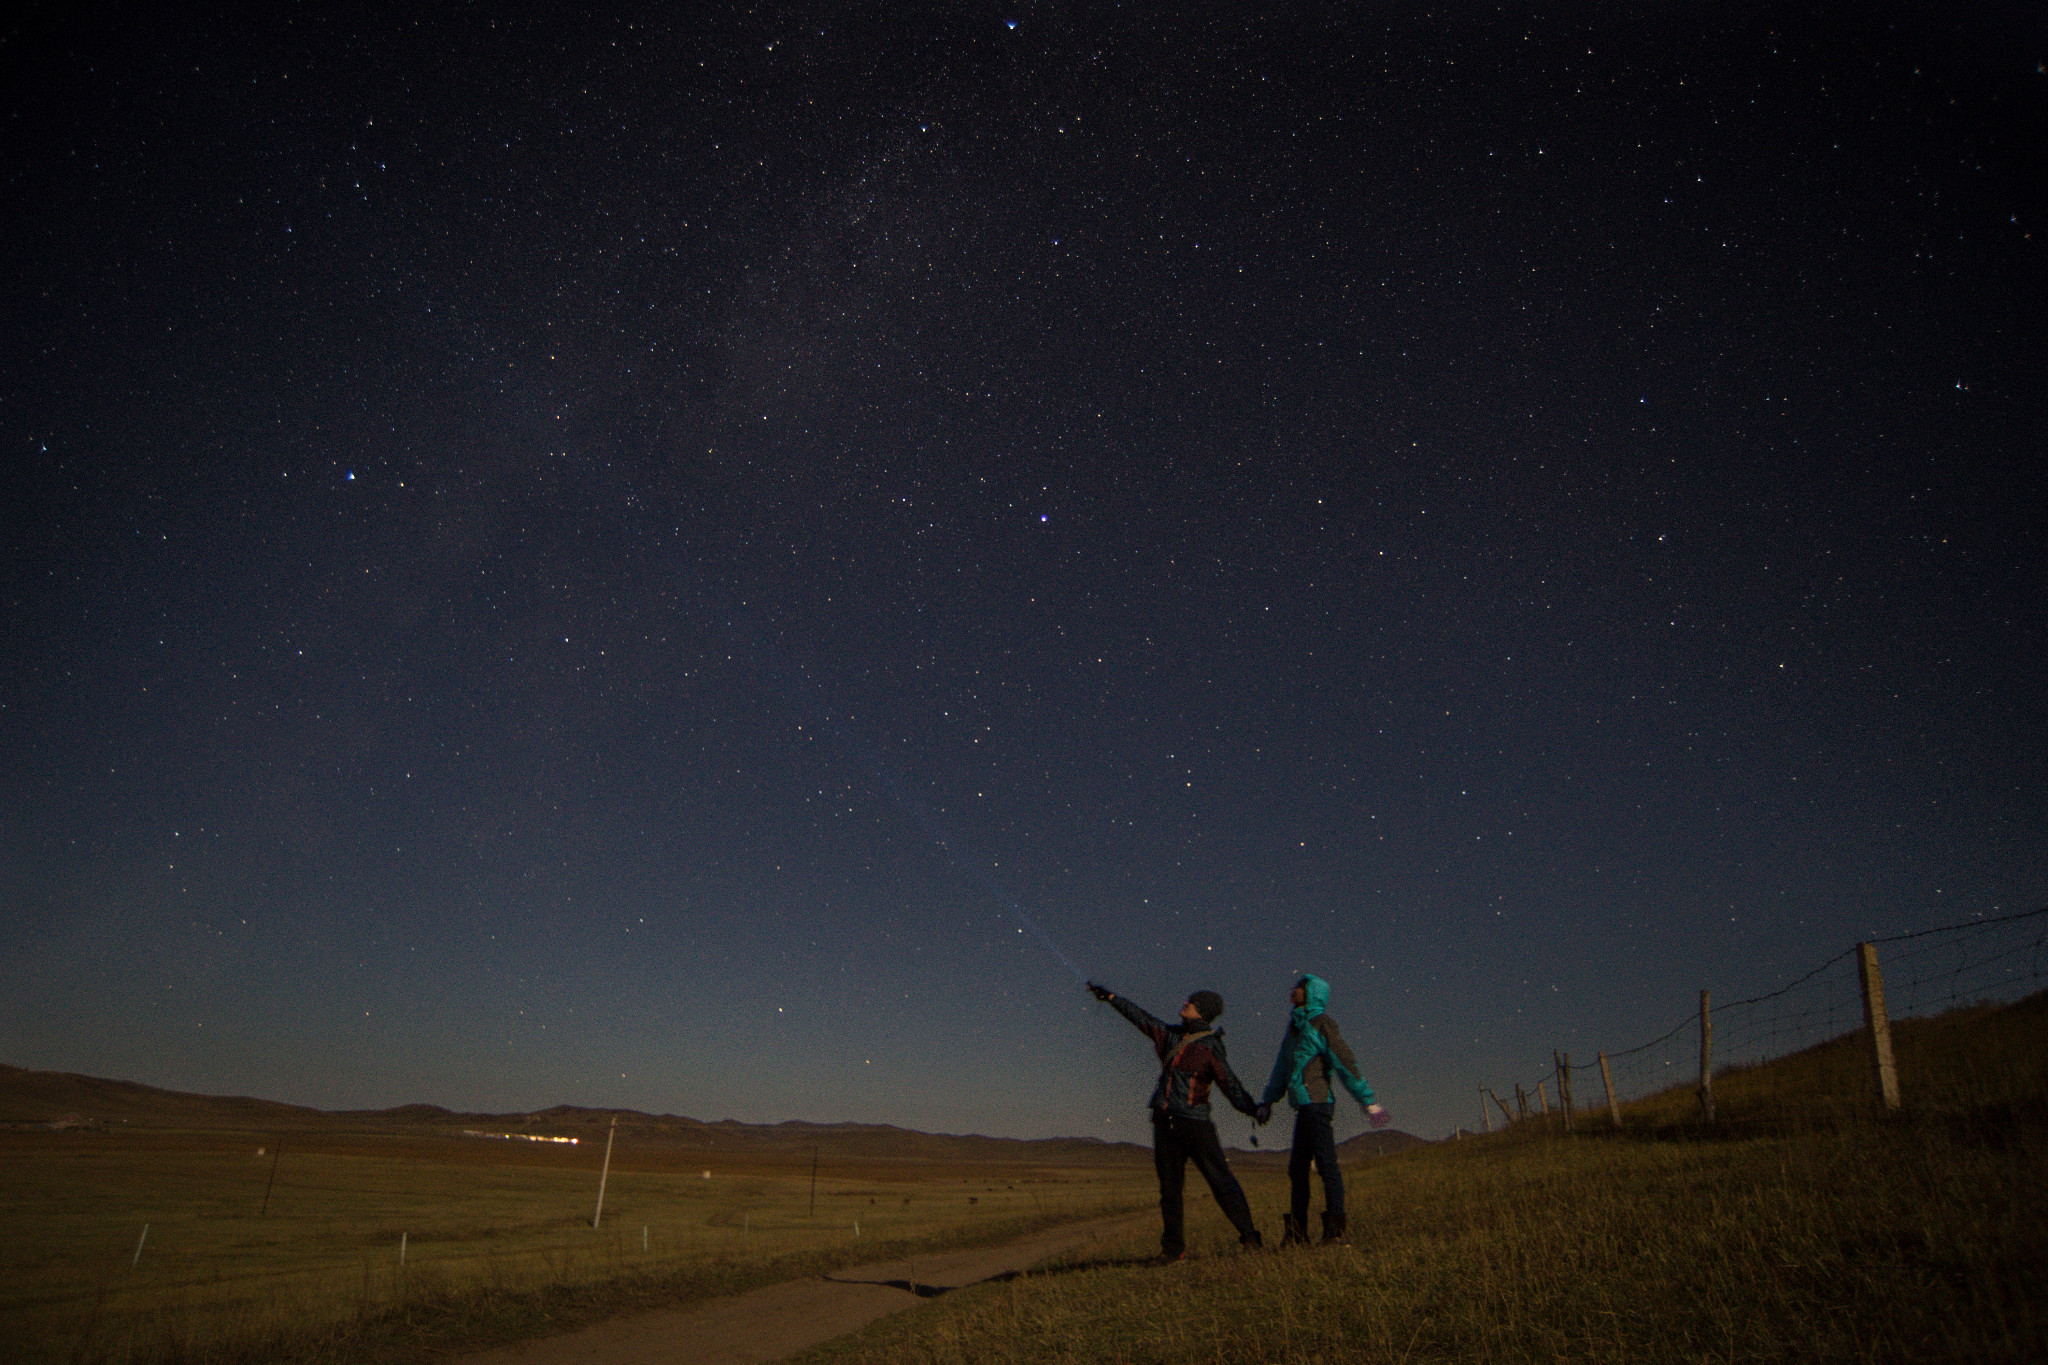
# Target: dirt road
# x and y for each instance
(781, 1319)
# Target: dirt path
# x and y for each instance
(782, 1319)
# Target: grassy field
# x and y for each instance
(1799, 1226)
(1803, 1231)
(497, 1241)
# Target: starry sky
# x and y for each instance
(717, 560)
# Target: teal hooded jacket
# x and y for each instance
(1312, 1034)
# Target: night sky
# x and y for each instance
(686, 563)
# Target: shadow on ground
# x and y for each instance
(932, 1291)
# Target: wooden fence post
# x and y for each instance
(1542, 1100)
(1564, 1084)
(1507, 1119)
(1706, 1058)
(1880, 1025)
(1607, 1079)
(1485, 1114)
(606, 1174)
(1521, 1101)
(265, 1210)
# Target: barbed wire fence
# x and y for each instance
(1982, 961)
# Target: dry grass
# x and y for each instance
(1814, 1234)
(498, 1242)
(1797, 1228)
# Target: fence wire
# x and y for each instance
(1644, 1069)
(1979, 961)
(1825, 1003)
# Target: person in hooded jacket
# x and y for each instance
(1192, 1062)
(1312, 1056)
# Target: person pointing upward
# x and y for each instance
(1191, 1064)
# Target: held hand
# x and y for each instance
(1376, 1116)
(1264, 1114)
(1102, 993)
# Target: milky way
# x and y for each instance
(624, 561)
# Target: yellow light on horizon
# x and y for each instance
(522, 1137)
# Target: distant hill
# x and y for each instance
(58, 1099)
(50, 1098)
(1386, 1142)
(1274, 1141)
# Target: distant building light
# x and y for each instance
(523, 1137)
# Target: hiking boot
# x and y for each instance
(1293, 1231)
(1169, 1258)
(1333, 1229)
(1251, 1241)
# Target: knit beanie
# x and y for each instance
(1208, 1004)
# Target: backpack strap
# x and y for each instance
(1166, 1069)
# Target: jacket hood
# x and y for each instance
(1318, 991)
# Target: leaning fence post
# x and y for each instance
(1880, 1025)
(1542, 1100)
(1521, 1101)
(1485, 1114)
(606, 1174)
(1607, 1079)
(1506, 1118)
(1706, 1058)
(1564, 1084)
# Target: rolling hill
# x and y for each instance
(57, 1099)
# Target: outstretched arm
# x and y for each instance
(1283, 1068)
(1232, 1088)
(1347, 1065)
(1143, 1022)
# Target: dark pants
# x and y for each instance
(1175, 1142)
(1315, 1140)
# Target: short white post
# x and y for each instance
(138, 1247)
(856, 1227)
(401, 1248)
(607, 1173)
(643, 1236)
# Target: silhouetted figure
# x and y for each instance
(1191, 1061)
(1312, 1052)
